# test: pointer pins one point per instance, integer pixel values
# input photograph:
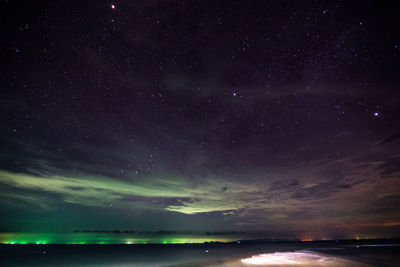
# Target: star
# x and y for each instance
(376, 114)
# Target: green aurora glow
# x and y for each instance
(104, 239)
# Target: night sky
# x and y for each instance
(275, 117)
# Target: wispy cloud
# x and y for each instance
(212, 195)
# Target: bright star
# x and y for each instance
(376, 114)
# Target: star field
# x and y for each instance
(275, 116)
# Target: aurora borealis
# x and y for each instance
(214, 120)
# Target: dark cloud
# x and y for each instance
(390, 139)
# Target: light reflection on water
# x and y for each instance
(297, 258)
(284, 258)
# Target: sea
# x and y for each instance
(351, 253)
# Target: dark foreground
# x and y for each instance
(342, 253)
